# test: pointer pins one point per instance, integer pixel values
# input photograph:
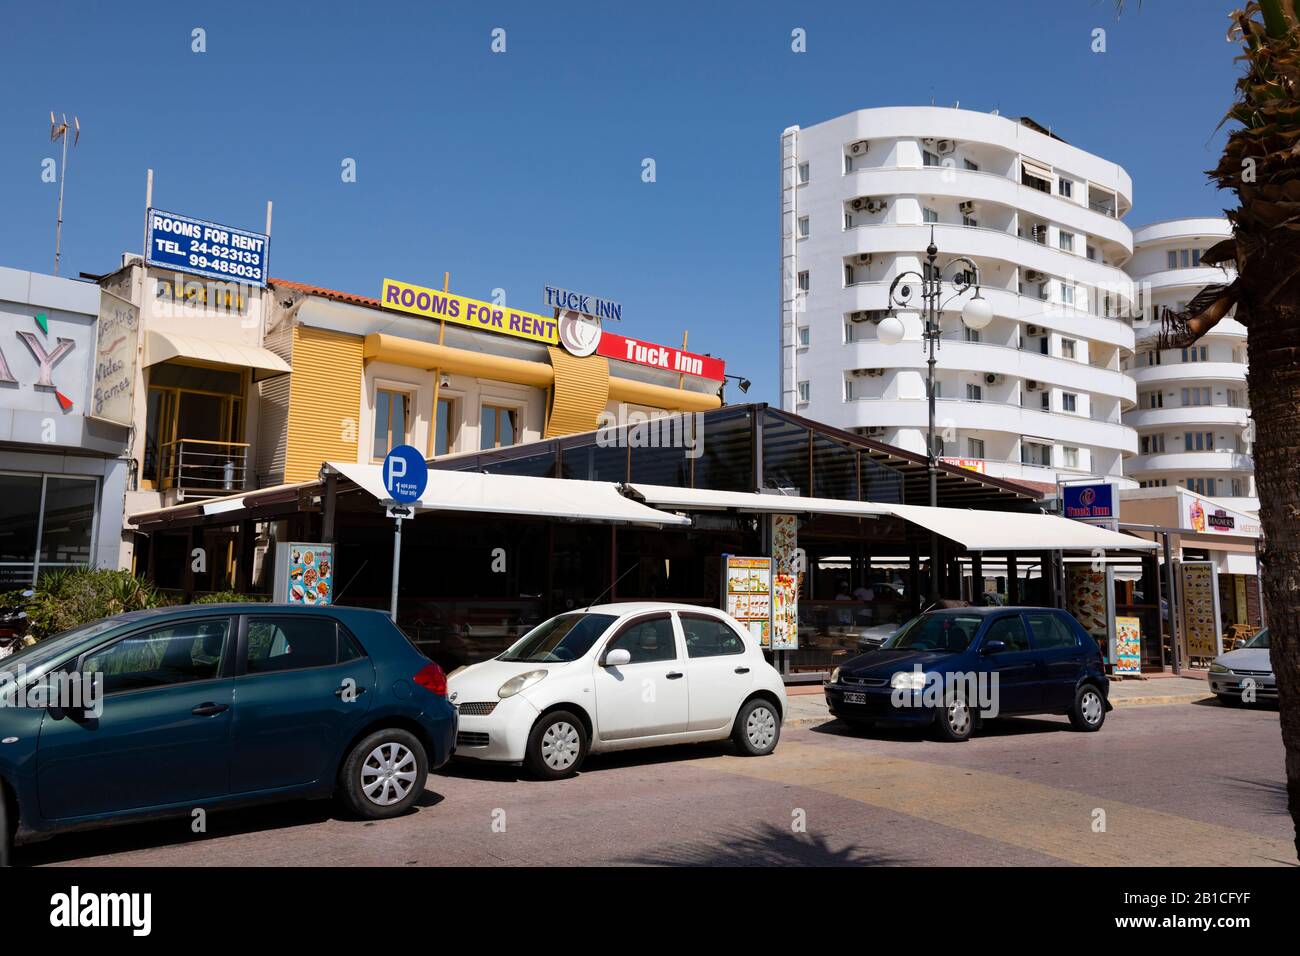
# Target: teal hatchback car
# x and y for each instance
(160, 712)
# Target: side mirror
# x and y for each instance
(993, 647)
(618, 657)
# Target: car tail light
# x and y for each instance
(431, 678)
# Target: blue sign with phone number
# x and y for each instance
(207, 249)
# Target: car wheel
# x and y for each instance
(956, 721)
(1089, 710)
(384, 774)
(757, 728)
(556, 746)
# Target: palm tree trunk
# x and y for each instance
(1274, 383)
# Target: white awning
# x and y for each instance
(516, 495)
(1035, 169)
(1010, 531)
(161, 346)
(703, 499)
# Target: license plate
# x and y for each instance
(852, 697)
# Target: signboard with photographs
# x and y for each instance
(1128, 645)
(308, 573)
(747, 594)
(1089, 597)
(785, 582)
(1200, 609)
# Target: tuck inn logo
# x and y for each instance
(45, 360)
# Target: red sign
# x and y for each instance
(659, 356)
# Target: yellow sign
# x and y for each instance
(446, 307)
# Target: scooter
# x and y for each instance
(13, 626)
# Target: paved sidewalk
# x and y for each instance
(806, 706)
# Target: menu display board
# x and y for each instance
(747, 594)
(309, 577)
(1088, 597)
(1128, 645)
(787, 576)
(1200, 609)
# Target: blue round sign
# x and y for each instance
(405, 474)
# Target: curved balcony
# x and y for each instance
(1183, 373)
(1169, 230)
(998, 360)
(1193, 280)
(1145, 419)
(1192, 462)
(992, 416)
(982, 186)
(894, 238)
(1008, 305)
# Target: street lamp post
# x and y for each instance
(976, 314)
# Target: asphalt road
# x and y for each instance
(1177, 784)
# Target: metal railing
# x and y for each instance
(199, 468)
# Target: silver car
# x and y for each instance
(1246, 668)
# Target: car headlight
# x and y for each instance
(518, 683)
(908, 680)
(1217, 668)
(835, 676)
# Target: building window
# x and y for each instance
(1067, 294)
(1065, 240)
(850, 332)
(848, 390)
(1198, 441)
(1238, 488)
(848, 274)
(1196, 396)
(1155, 400)
(975, 447)
(802, 281)
(194, 422)
(968, 221)
(1069, 402)
(1069, 456)
(803, 173)
(48, 522)
(929, 158)
(805, 334)
(1152, 444)
(499, 427)
(1068, 349)
(1033, 453)
(973, 167)
(392, 421)
(1045, 401)
(974, 393)
(1197, 353)
(804, 391)
(447, 427)
(1202, 486)
(803, 227)
(1065, 188)
(929, 215)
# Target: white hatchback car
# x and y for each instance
(615, 677)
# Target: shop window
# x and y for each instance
(448, 426)
(727, 459)
(392, 421)
(46, 522)
(499, 426)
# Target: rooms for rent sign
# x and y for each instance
(446, 307)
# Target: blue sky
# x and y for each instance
(520, 169)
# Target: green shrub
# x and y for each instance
(69, 597)
(230, 597)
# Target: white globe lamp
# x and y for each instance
(891, 330)
(977, 313)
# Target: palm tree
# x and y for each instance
(1261, 164)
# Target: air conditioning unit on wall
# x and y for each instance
(858, 148)
(945, 146)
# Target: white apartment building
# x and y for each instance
(1039, 393)
(1192, 416)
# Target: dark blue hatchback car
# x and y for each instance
(160, 712)
(954, 667)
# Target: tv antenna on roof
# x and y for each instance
(59, 130)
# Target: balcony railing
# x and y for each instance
(198, 468)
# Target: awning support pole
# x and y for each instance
(1173, 617)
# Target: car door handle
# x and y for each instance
(742, 670)
(340, 691)
(673, 675)
(209, 709)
